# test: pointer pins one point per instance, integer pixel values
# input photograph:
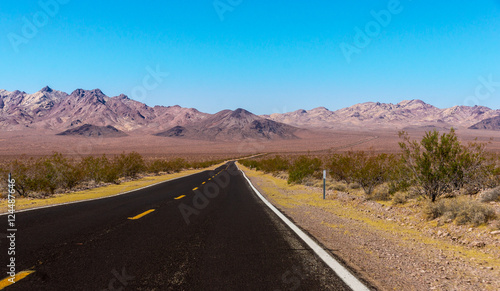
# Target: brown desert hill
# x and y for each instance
(408, 113)
(89, 130)
(230, 125)
(492, 123)
(56, 110)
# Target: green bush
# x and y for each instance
(46, 175)
(439, 163)
(367, 171)
(303, 167)
(270, 165)
(174, 166)
(24, 174)
(130, 165)
(100, 169)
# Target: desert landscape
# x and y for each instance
(250, 145)
(87, 122)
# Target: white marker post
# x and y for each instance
(324, 184)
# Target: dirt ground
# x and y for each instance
(393, 247)
(35, 143)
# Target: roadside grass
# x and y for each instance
(99, 192)
(297, 195)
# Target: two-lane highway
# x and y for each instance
(207, 231)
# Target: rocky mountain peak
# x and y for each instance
(46, 89)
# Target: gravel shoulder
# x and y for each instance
(393, 247)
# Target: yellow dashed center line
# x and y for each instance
(195, 188)
(142, 214)
(203, 183)
(180, 197)
(11, 280)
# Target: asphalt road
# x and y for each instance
(227, 241)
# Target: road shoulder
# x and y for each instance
(391, 254)
(96, 193)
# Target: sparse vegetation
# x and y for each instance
(461, 210)
(47, 175)
(400, 198)
(490, 195)
(439, 164)
(436, 166)
(303, 167)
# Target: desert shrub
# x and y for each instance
(276, 164)
(22, 172)
(252, 164)
(272, 165)
(303, 167)
(65, 173)
(50, 173)
(462, 211)
(354, 186)
(130, 165)
(400, 198)
(342, 167)
(99, 169)
(439, 163)
(4, 175)
(203, 164)
(490, 195)
(381, 193)
(372, 171)
(46, 175)
(367, 170)
(398, 176)
(339, 187)
(172, 166)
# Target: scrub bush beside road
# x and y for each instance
(436, 167)
(45, 176)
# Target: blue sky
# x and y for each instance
(264, 56)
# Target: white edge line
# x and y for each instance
(99, 198)
(340, 270)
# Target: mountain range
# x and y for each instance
(58, 111)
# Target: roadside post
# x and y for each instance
(324, 184)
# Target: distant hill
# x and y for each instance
(90, 130)
(488, 124)
(405, 114)
(54, 110)
(230, 125)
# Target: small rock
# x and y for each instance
(388, 208)
(495, 232)
(470, 229)
(478, 244)
(439, 233)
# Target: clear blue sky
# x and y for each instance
(264, 56)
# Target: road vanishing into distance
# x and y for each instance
(207, 231)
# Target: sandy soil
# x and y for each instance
(391, 246)
(36, 143)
